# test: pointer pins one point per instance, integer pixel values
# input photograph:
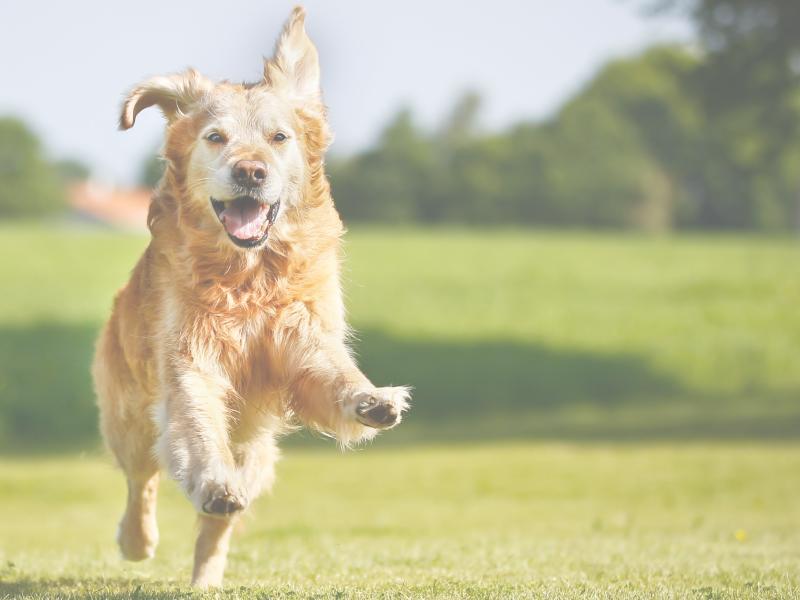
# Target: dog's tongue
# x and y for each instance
(243, 218)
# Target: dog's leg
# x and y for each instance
(131, 441)
(194, 443)
(255, 457)
(211, 551)
(330, 393)
(138, 531)
(129, 433)
(255, 450)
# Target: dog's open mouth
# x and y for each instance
(246, 220)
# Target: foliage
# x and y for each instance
(71, 170)
(749, 85)
(641, 146)
(152, 170)
(29, 184)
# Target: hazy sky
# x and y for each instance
(66, 65)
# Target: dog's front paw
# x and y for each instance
(381, 408)
(219, 499)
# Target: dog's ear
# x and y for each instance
(295, 67)
(173, 94)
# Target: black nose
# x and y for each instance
(250, 172)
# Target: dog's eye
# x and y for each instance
(215, 138)
(280, 137)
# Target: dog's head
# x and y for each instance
(241, 155)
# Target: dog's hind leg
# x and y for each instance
(130, 434)
(138, 531)
(132, 442)
(211, 550)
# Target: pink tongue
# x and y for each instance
(242, 219)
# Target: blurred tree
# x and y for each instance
(71, 170)
(642, 146)
(750, 84)
(392, 181)
(152, 171)
(460, 190)
(596, 165)
(608, 159)
(29, 184)
(461, 125)
(652, 94)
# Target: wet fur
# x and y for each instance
(213, 351)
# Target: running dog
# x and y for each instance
(231, 328)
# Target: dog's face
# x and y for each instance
(240, 152)
(246, 163)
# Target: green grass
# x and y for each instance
(595, 416)
(500, 521)
(503, 334)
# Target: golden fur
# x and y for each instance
(212, 350)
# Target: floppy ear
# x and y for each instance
(173, 94)
(295, 67)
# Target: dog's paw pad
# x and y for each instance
(382, 408)
(223, 505)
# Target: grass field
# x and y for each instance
(502, 521)
(503, 334)
(595, 416)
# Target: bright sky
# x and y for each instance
(66, 65)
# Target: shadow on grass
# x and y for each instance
(481, 390)
(46, 396)
(495, 389)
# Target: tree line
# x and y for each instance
(700, 137)
(673, 138)
(639, 147)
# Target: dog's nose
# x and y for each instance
(250, 172)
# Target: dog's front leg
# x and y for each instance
(194, 443)
(330, 393)
(195, 447)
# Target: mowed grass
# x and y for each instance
(497, 521)
(502, 333)
(595, 416)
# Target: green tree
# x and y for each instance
(750, 84)
(71, 170)
(29, 184)
(152, 170)
(390, 182)
(643, 145)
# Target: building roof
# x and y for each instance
(124, 208)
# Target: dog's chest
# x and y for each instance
(260, 349)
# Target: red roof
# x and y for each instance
(119, 207)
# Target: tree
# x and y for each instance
(152, 171)
(750, 84)
(29, 184)
(392, 181)
(71, 170)
(649, 143)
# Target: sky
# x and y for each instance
(67, 65)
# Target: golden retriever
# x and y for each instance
(231, 327)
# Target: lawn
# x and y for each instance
(503, 334)
(595, 416)
(478, 521)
